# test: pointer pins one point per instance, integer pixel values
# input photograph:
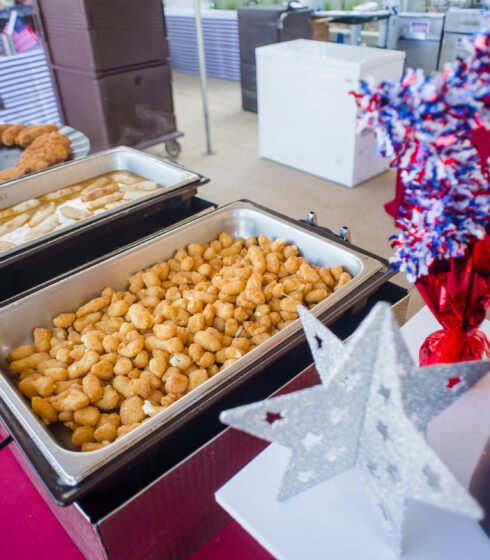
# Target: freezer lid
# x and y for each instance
(331, 55)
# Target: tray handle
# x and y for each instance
(312, 220)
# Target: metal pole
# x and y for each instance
(202, 72)
(355, 33)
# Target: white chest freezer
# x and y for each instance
(307, 119)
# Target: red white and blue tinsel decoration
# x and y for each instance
(424, 124)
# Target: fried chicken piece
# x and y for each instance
(37, 162)
(34, 163)
(51, 148)
(29, 134)
(3, 128)
(49, 138)
(52, 153)
(9, 135)
(45, 147)
(11, 173)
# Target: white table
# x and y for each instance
(334, 521)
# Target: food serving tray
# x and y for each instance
(68, 473)
(173, 179)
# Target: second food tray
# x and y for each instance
(36, 260)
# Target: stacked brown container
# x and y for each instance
(109, 62)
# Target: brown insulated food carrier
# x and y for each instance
(127, 107)
(99, 35)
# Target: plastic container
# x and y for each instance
(124, 107)
(95, 35)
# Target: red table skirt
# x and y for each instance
(29, 529)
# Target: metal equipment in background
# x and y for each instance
(203, 75)
(265, 25)
(435, 37)
(356, 22)
(459, 26)
(420, 35)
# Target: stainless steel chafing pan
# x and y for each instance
(242, 219)
(172, 178)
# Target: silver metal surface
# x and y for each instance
(355, 34)
(419, 35)
(240, 219)
(345, 233)
(453, 45)
(202, 74)
(420, 54)
(459, 26)
(169, 175)
(465, 21)
(312, 218)
(420, 27)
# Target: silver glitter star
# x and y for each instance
(370, 411)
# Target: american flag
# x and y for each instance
(23, 36)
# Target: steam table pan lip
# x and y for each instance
(178, 179)
(243, 218)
